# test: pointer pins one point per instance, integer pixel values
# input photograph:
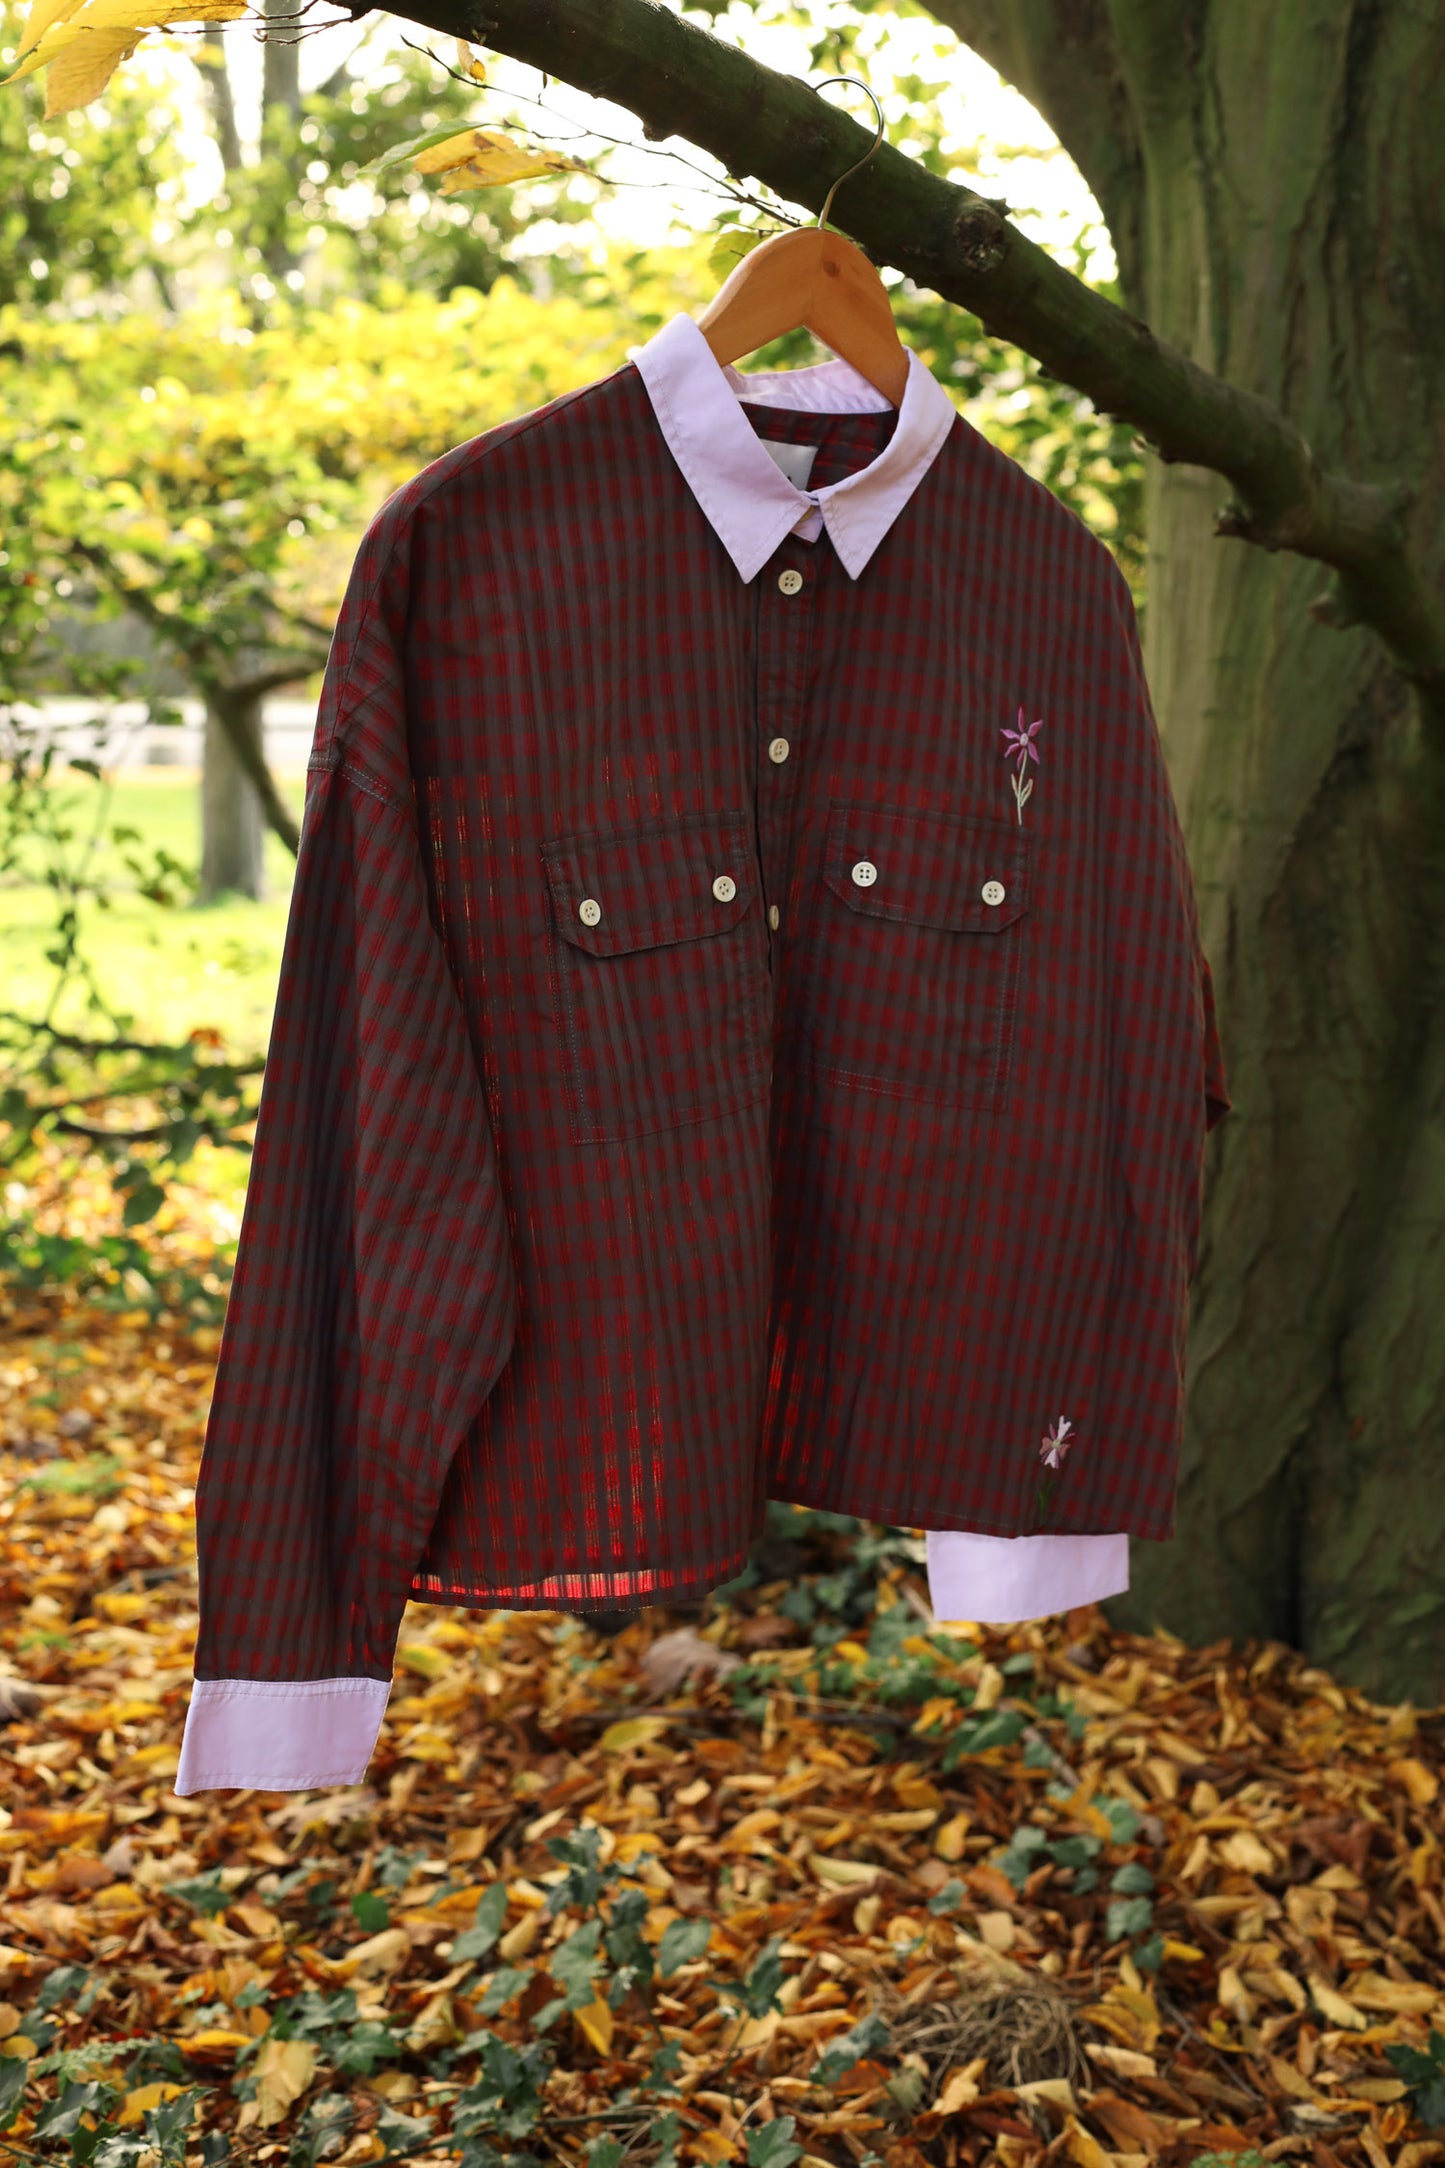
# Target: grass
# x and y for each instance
(170, 970)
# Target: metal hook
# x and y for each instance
(842, 177)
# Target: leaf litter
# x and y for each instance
(799, 1876)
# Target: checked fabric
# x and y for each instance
(742, 1033)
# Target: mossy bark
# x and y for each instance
(1273, 179)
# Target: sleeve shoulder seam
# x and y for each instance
(334, 759)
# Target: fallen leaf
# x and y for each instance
(631, 1731)
(673, 1656)
(595, 2023)
(1334, 2006)
(283, 2069)
(133, 2107)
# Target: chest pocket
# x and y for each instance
(910, 984)
(659, 974)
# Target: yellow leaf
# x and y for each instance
(119, 1607)
(1421, 1783)
(256, 1919)
(960, 2087)
(1248, 1852)
(1082, 2146)
(710, 2146)
(468, 62)
(135, 2104)
(948, 1841)
(988, 1690)
(632, 1731)
(475, 159)
(40, 18)
(939, 1710)
(1334, 2006)
(149, 14)
(379, 1953)
(595, 2024)
(843, 1873)
(1186, 1951)
(427, 1663)
(1373, 1991)
(853, 1650)
(634, 1842)
(213, 2041)
(20, 2045)
(752, 1826)
(81, 73)
(284, 2069)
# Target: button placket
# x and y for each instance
(787, 631)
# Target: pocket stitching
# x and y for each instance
(575, 1069)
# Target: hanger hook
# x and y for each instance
(842, 177)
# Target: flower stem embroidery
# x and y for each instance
(1021, 741)
(1056, 1443)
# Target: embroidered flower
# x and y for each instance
(1056, 1442)
(1052, 1448)
(1021, 741)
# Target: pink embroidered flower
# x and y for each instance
(1056, 1442)
(1021, 741)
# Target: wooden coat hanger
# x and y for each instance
(812, 277)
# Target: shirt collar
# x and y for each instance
(749, 501)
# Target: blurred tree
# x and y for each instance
(86, 201)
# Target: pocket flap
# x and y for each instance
(932, 869)
(652, 884)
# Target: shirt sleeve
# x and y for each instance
(1003, 1580)
(374, 1301)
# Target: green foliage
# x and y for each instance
(846, 2050)
(757, 1992)
(393, 236)
(80, 196)
(1424, 2076)
(771, 2145)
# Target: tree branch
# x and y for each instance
(680, 80)
(227, 701)
(1064, 56)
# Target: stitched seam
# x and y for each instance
(297, 1689)
(335, 761)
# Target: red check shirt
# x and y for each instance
(742, 1033)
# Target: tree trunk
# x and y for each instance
(1273, 179)
(233, 827)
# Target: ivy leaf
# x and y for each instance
(402, 2134)
(371, 1911)
(771, 2145)
(486, 1925)
(849, 2048)
(682, 1942)
(507, 1981)
(1128, 1916)
(204, 1894)
(574, 1964)
(12, 2088)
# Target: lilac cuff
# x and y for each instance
(279, 1735)
(1000, 1580)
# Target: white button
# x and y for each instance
(773, 915)
(724, 888)
(589, 911)
(778, 750)
(865, 873)
(993, 892)
(790, 581)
